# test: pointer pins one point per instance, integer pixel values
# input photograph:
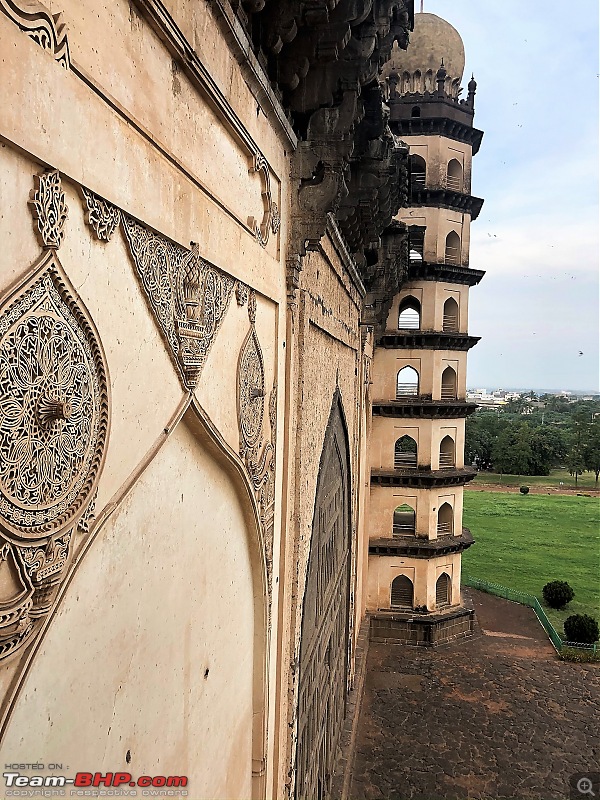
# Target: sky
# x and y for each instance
(537, 308)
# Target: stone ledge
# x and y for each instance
(421, 548)
(422, 630)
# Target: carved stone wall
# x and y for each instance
(53, 427)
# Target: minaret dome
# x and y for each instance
(432, 42)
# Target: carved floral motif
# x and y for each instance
(100, 215)
(54, 424)
(49, 209)
(257, 455)
(46, 29)
(188, 296)
(271, 220)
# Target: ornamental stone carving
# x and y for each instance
(257, 455)
(102, 217)
(49, 209)
(53, 434)
(188, 296)
(271, 220)
(39, 24)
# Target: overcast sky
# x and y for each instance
(536, 65)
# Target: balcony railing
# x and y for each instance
(402, 529)
(448, 393)
(450, 323)
(452, 256)
(407, 390)
(409, 321)
(447, 461)
(418, 179)
(454, 184)
(444, 529)
(405, 460)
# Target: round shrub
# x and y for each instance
(557, 594)
(524, 489)
(581, 628)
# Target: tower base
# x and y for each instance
(422, 630)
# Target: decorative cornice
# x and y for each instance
(446, 273)
(421, 548)
(423, 409)
(422, 478)
(46, 29)
(445, 198)
(438, 126)
(427, 340)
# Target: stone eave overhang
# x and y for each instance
(438, 126)
(421, 548)
(424, 409)
(422, 478)
(446, 198)
(444, 273)
(427, 340)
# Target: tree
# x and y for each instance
(511, 452)
(591, 449)
(575, 462)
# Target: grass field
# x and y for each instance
(584, 482)
(524, 541)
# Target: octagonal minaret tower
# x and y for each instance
(418, 472)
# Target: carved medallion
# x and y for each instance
(188, 296)
(54, 424)
(54, 420)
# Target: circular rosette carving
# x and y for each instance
(53, 406)
(251, 390)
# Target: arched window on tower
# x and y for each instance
(406, 87)
(449, 384)
(404, 521)
(407, 383)
(450, 318)
(452, 255)
(417, 82)
(442, 590)
(402, 592)
(447, 453)
(454, 176)
(445, 520)
(409, 314)
(418, 171)
(416, 111)
(405, 453)
(429, 81)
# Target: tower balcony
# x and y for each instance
(422, 478)
(427, 340)
(423, 407)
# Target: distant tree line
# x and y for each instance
(518, 440)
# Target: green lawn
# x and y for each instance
(584, 482)
(524, 541)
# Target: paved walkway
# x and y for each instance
(493, 717)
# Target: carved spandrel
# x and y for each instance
(188, 296)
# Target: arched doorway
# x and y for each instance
(323, 669)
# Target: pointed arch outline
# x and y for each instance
(201, 426)
(336, 427)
